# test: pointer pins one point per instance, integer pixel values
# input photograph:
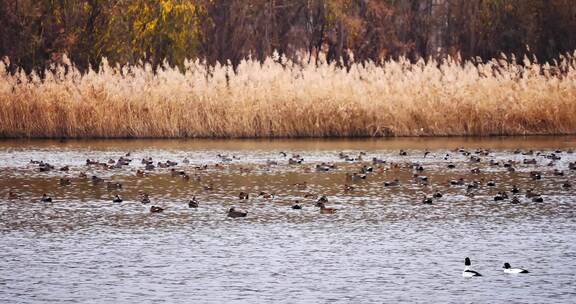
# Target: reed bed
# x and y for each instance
(281, 98)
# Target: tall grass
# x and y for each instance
(280, 98)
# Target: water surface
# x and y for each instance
(382, 244)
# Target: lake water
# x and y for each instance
(383, 244)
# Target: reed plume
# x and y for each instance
(282, 98)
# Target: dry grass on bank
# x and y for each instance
(290, 100)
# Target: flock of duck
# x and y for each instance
(367, 168)
(469, 273)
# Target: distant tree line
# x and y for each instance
(36, 33)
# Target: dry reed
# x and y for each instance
(280, 98)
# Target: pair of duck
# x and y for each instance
(468, 273)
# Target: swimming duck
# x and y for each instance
(457, 182)
(266, 195)
(294, 161)
(324, 210)
(468, 273)
(145, 199)
(491, 183)
(355, 177)
(233, 213)
(156, 209)
(301, 186)
(117, 199)
(530, 193)
(243, 195)
(567, 185)
(366, 169)
(537, 199)
(348, 188)
(509, 269)
(193, 203)
(437, 194)
(96, 180)
(393, 183)
(322, 200)
(45, 198)
(65, 169)
(12, 195)
(297, 206)
(501, 196)
(427, 201)
(515, 200)
(515, 189)
(112, 186)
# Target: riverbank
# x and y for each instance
(283, 99)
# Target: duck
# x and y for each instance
(301, 186)
(145, 199)
(297, 206)
(324, 209)
(437, 194)
(566, 185)
(65, 182)
(427, 201)
(355, 177)
(243, 195)
(393, 183)
(322, 200)
(500, 196)
(117, 199)
(266, 195)
(515, 200)
(348, 188)
(233, 213)
(156, 209)
(468, 273)
(111, 185)
(96, 180)
(193, 203)
(12, 195)
(45, 198)
(509, 269)
(457, 182)
(515, 189)
(530, 193)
